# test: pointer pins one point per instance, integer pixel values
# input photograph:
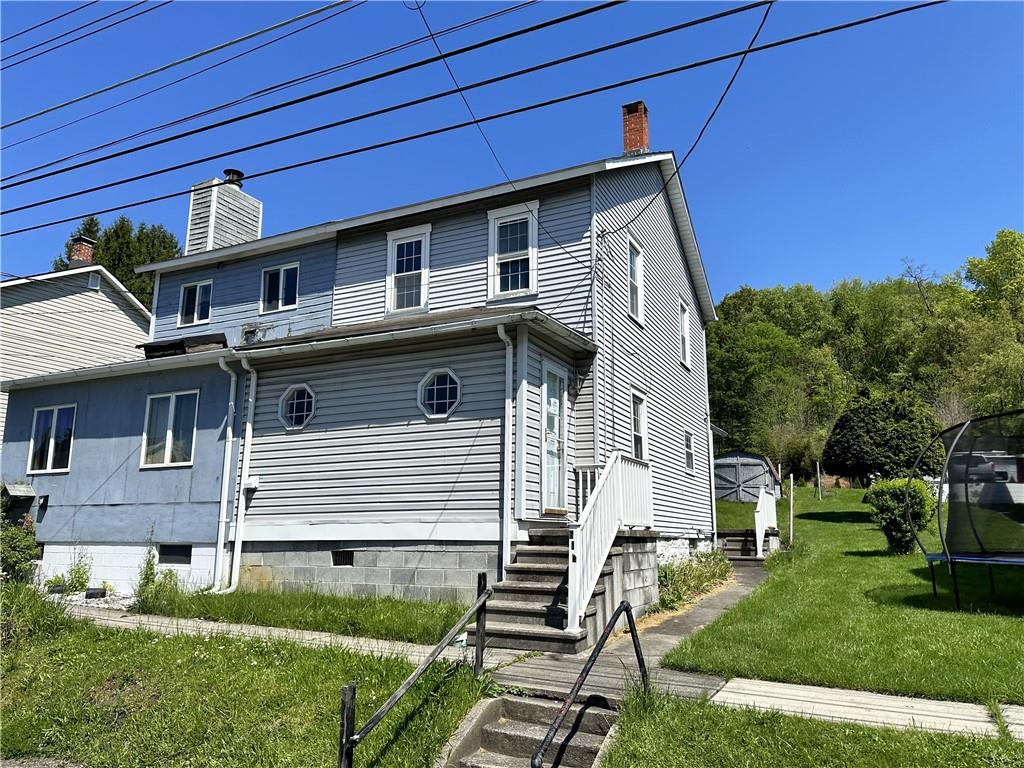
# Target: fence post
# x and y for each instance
(817, 471)
(481, 623)
(791, 509)
(348, 726)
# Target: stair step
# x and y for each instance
(535, 553)
(581, 717)
(522, 612)
(536, 592)
(518, 739)
(484, 759)
(537, 571)
(531, 637)
(746, 561)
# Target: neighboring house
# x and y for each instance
(390, 403)
(60, 321)
(740, 476)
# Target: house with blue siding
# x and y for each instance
(510, 380)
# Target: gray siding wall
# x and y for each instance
(236, 296)
(370, 456)
(105, 496)
(648, 357)
(458, 263)
(234, 216)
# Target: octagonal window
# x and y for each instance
(439, 394)
(297, 405)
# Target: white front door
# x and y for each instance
(553, 438)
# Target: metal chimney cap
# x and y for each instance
(233, 176)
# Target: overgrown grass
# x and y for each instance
(121, 698)
(843, 612)
(387, 618)
(659, 731)
(683, 581)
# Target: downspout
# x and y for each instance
(506, 459)
(522, 361)
(225, 484)
(240, 503)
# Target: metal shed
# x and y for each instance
(740, 476)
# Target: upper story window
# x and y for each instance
(94, 281)
(439, 394)
(280, 288)
(194, 306)
(170, 432)
(296, 406)
(52, 431)
(408, 268)
(684, 333)
(639, 426)
(688, 448)
(636, 280)
(512, 267)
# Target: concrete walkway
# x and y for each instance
(166, 625)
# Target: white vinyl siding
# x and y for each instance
(53, 431)
(170, 429)
(195, 303)
(408, 282)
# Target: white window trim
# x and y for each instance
(280, 268)
(561, 370)
(423, 383)
(693, 450)
(95, 281)
(640, 269)
(282, 401)
(49, 451)
(684, 332)
(170, 426)
(181, 566)
(634, 393)
(181, 302)
(496, 217)
(396, 238)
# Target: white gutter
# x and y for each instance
(506, 459)
(225, 484)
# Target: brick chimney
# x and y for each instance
(81, 251)
(635, 140)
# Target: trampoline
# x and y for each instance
(980, 513)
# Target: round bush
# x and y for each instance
(888, 500)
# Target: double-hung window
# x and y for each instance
(639, 426)
(194, 307)
(636, 280)
(513, 245)
(688, 448)
(280, 288)
(52, 431)
(684, 333)
(170, 429)
(408, 269)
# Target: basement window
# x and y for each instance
(342, 557)
(280, 288)
(175, 554)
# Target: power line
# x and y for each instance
(72, 31)
(43, 23)
(172, 64)
(303, 28)
(700, 134)
(265, 91)
(325, 92)
(382, 110)
(509, 113)
(90, 33)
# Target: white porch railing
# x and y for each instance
(621, 496)
(586, 480)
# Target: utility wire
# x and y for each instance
(507, 113)
(72, 31)
(700, 134)
(83, 36)
(380, 111)
(347, 7)
(325, 92)
(170, 65)
(43, 23)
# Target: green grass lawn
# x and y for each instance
(736, 514)
(120, 698)
(659, 731)
(842, 612)
(382, 617)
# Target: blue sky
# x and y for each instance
(832, 158)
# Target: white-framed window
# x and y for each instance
(684, 333)
(635, 279)
(408, 269)
(638, 421)
(194, 303)
(169, 434)
(297, 405)
(440, 393)
(94, 281)
(53, 429)
(688, 450)
(280, 288)
(512, 266)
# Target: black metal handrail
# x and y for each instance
(537, 761)
(349, 738)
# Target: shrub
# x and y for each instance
(57, 580)
(681, 581)
(157, 591)
(888, 498)
(18, 549)
(79, 573)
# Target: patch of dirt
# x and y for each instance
(38, 762)
(116, 690)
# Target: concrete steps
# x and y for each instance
(740, 545)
